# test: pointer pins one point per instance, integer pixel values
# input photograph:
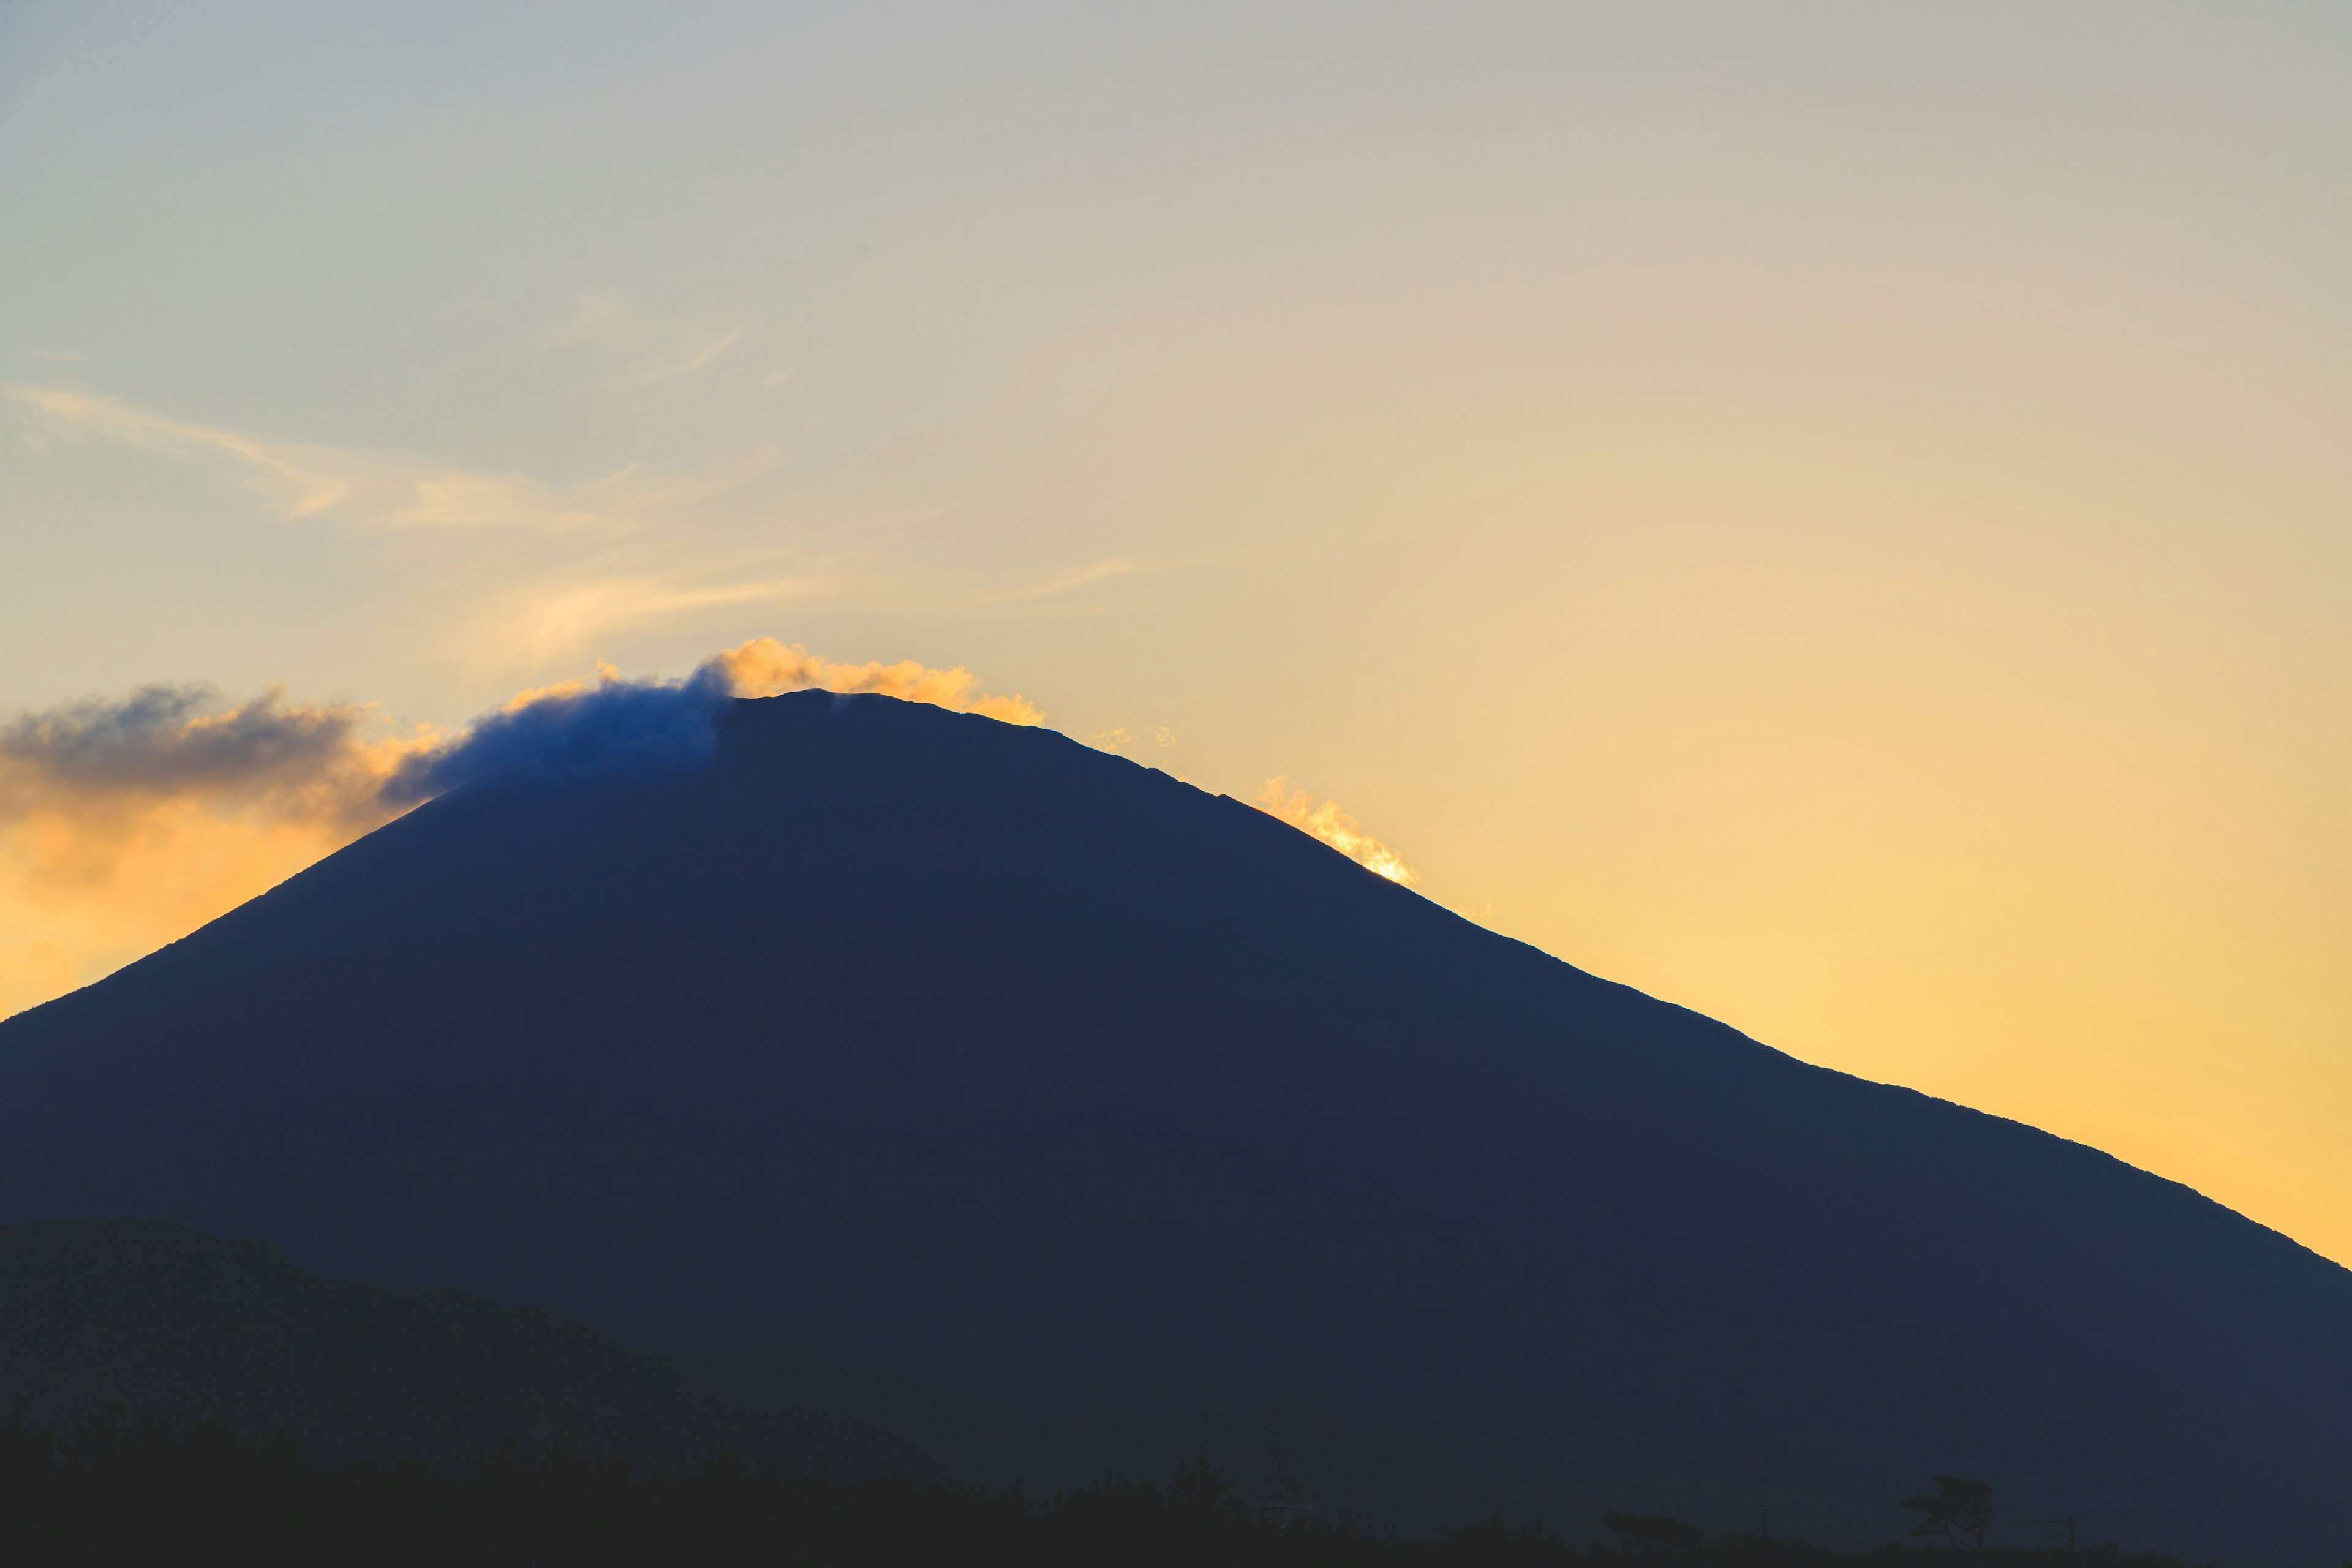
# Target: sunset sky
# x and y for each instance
(1839, 516)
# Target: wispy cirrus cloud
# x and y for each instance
(698, 360)
(603, 320)
(294, 482)
(388, 490)
(596, 312)
(543, 623)
(572, 611)
(1064, 582)
(365, 488)
(582, 564)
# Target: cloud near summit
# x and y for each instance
(126, 822)
(608, 725)
(765, 666)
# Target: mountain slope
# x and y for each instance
(962, 1050)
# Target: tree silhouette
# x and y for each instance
(127, 1489)
(1960, 1510)
(1199, 1487)
(1654, 1531)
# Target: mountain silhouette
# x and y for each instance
(1040, 1079)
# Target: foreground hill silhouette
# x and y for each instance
(1052, 1083)
(159, 1321)
(164, 1323)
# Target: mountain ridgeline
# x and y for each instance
(1045, 1080)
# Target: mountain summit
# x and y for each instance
(960, 1050)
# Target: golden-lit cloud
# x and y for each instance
(603, 674)
(1333, 826)
(765, 666)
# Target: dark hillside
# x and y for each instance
(162, 1322)
(1049, 1082)
(1378, 1482)
(129, 1494)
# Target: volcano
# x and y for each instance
(964, 1051)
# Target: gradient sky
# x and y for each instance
(1840, 516)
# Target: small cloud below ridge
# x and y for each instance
(1335, 828)
(1120, 739)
